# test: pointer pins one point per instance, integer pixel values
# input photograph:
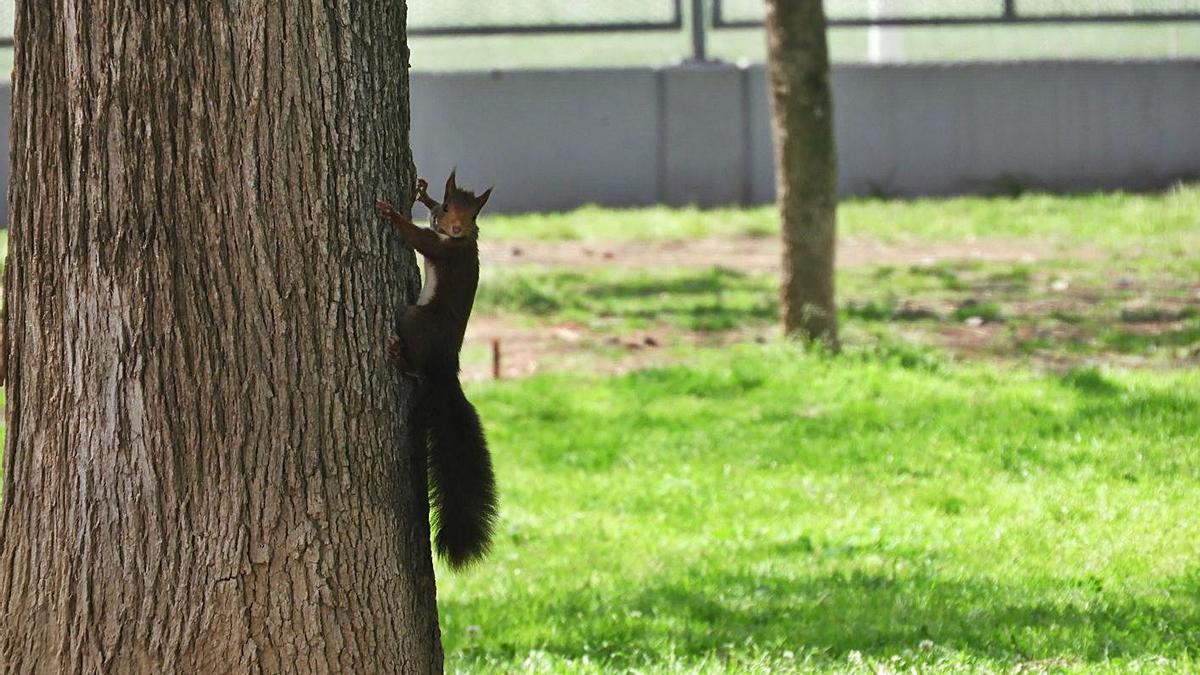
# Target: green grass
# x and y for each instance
(1112, 220)
(1132, 224)
(764, 509)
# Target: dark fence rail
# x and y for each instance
(671, 19)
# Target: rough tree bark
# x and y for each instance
(205, 468)
(805, 165)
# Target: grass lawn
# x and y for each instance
(1110, 278)
(1115, 221)
(897, 508)
(765, 509)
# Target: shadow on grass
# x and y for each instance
(880, 615)
(1090, 380)
(1127, 342)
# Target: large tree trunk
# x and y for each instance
(206, 468)
(805, 164)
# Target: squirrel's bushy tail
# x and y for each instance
(462, 488)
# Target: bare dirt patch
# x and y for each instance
(568, 347)
(1044, 313)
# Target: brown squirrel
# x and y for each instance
(426, 343)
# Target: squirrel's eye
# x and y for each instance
(445, 208)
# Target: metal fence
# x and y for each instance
(522, 33)
(465, 17)
(748, 13)
(687, 24)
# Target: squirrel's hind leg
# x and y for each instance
(405, 346)
(397, 355)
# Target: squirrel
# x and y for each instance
(426, 343)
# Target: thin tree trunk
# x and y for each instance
(805, 165)
(206, 468)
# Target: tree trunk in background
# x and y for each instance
(805, 164)
(206, 468)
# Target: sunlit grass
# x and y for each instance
(1132, 224)
(765, 509)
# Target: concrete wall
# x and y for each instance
(701, 134)
(552, 140)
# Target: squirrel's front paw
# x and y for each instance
(422, 185)
(385, 209)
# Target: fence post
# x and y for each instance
(699, 53)
(884, 43)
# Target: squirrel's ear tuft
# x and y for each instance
(451, 186)
(482, 199)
